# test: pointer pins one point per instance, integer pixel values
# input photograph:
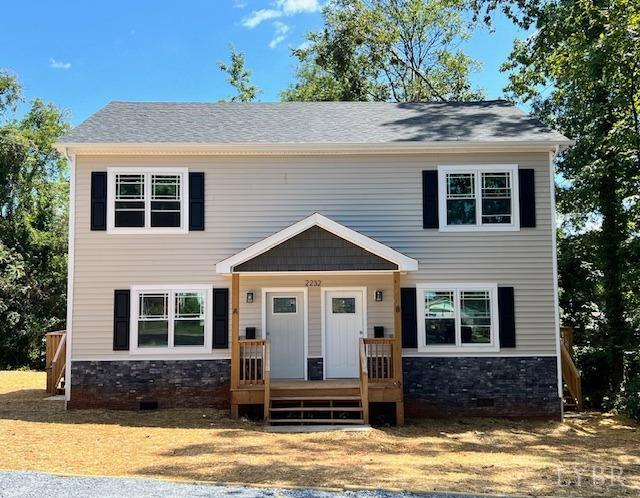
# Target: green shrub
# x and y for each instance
(594, 367)
(628, 401)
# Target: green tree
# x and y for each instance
(580, 72)
(379, 50)
(33, 226)
(239, 77)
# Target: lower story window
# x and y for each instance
(457, 317)
(172, 319)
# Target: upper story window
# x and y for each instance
(144, 200)
(457, 317)
(478, 198)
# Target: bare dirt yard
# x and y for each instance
(590, 455)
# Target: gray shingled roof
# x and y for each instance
(309, 123)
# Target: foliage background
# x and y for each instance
(33, 226)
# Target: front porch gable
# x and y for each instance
(317, 244)
(316, 250)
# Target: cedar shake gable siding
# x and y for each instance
(316, 249)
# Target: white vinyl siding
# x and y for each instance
(249, 198)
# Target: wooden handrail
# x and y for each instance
(571, 375)
(266, 366)
(364, 382)
(381, 359)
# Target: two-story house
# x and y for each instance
(314, 258)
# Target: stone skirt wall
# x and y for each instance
(462, 386)
(481, 386)
(171, 383)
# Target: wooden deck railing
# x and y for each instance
(55, 359)
(364, 381)
(570, 373)
(381, 358)
(566, 334)
(267, 378)
(252, 361)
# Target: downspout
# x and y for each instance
(556, 300)
(70, 272)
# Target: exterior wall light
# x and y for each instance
(378, 295)
(250, 297)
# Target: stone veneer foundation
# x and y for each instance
(481, 386)
(459, 386)
(170, 383)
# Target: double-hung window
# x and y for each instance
(457, 317)
(478, 198)
(143, 199)
(171, 319)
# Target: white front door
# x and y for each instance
(285, 329)
(344, 326)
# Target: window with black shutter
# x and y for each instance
(148, 200)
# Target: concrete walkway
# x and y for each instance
(39, 485)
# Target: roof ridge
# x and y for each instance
(334, 102)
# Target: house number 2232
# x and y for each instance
(312, 283)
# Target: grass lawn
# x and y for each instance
(474, 455)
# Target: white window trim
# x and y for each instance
(171, 289)
(492, 346)
(148, 171)
(478, 170)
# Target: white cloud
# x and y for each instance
(258, 16)
(279, 34)
(284, 8)
(290, 7)
(239, 4)
(59, 64)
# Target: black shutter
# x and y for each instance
(98, 200)
(430, 199)
(220, 318)
(507, 317)
(526, 183)
(196, 201)
(121, 313)
(409, 317)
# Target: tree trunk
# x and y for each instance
(611, 246)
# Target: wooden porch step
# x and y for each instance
(318, 409)
(335, 421)
(315, 398)
(319, 397)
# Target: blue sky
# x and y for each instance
(82, 55)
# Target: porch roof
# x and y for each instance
(317, 244)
